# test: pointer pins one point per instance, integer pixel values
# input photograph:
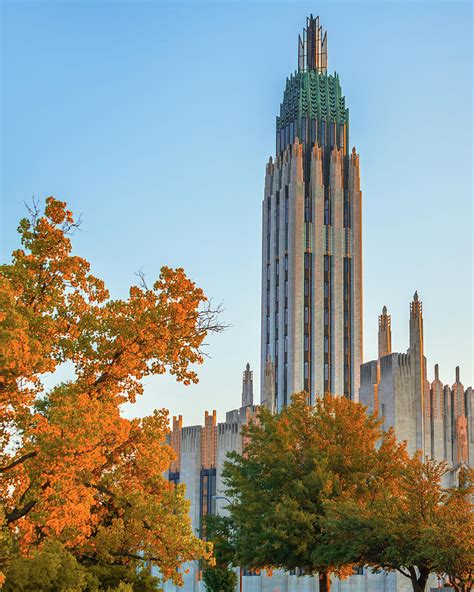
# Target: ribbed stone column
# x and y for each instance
(337, 289)
(355, 195)
(295, 272)
(437, 417)
(319, 249)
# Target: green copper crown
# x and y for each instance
(312, 95)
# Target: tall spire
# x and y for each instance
(247, 386)
(385, 333)
(312, 47)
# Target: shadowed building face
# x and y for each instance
(311, 239)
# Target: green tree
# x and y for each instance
(456, 554)
(294, 461)
(49, 569)
(218, 575)
(416, 528)
(52, 568)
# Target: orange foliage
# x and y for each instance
(72, 467)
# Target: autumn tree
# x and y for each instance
(416, 528)
(73, 469)
(291, 464)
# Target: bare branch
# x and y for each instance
(208, 319)
(18, 513)
(70, 228)
(33, 210)
(129, 555)
(141, 276)
(19, 461)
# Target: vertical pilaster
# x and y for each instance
(280, 255)
(470, 423)
(448, 426)
(319, 249)
(337, 251)
(277, 180)
(437, 418)
(355, 199)
(296, 271)
(209, 441)
(175, 443)
(418, 360)
(460, 424)
(458, 395)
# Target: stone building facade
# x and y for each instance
(201, 451)
(432, 417)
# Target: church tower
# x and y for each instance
(312, 237)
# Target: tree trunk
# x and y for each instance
(324, 582)
(419, 583)
(423, 578)
(416, 585)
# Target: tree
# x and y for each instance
(218, 575)
(291, 464)
(73, 469)
(416, 528)
(456, 527)
(51, 568)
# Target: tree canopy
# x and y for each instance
(292, 463)
(74, 470)
(219, 576)
(416, 529)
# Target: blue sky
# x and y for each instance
(155, 121)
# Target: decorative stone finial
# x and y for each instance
(385, 333)
(247, 386)
(415, 296)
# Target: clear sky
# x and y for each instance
(155, 121)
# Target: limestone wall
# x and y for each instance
(190, 466)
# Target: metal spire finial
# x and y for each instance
(312, 47)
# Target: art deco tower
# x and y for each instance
(311, 238)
